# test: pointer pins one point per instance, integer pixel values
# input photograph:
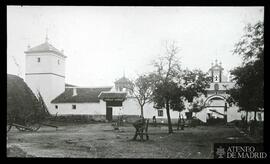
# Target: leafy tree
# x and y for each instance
(248, 92)
(197, 105)
(251, 44)
(173, 86)
(195, 82)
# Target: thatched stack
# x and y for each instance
(22, 104)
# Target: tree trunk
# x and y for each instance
(255, 113)
(169, 117)
(246, 117)
(142, 111)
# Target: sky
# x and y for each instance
(104, 43)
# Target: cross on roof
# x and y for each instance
(46, 39)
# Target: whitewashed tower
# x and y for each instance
(45, 71)
(216, 73)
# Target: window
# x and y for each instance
(58, 61)
(56, 106)
(160, 112)
(73, 106)
(38, 60)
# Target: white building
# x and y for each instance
(215, 101)
(45, 71)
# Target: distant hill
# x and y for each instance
(22, 104)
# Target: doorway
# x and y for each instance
(109, 113)
(109, 108)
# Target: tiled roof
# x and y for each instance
(112, 95)
(83, 95)
(45, 47)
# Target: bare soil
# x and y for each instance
(102, 141)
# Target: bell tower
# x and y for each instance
(216, 72)
(45, 71)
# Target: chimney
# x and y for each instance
(74, 92)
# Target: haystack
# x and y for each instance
(22, 104)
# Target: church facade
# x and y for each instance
(215, 105)
(45, 73)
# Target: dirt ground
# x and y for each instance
(102, 141)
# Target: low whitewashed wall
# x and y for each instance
(232, 113)
(259, 116)
(202, 115)
(131, 107)
(81, 108)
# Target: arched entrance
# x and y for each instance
(216, 109)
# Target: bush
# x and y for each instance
(255, 128)
(193, 122)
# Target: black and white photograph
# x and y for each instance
(151, 82)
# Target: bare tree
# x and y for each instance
(142, 90)
(167, 92)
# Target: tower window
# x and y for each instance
(38, 60)
(160, 112)
(58, 61)
(73, 106)
(56, 106)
